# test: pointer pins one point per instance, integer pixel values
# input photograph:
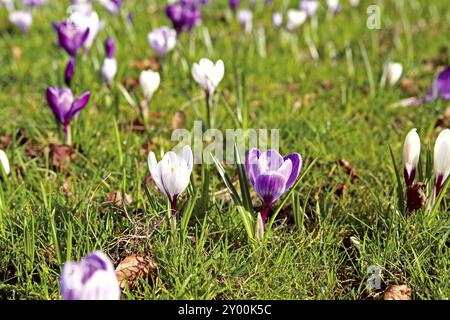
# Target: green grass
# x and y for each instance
(324, 111)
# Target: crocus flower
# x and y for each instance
(333, 6)
(245, 18)
(8, 4)
(295, 18)
(87, 21)
(5, 162)
(172, 173)
(34, 3)
(354, 3)
(271, 175)
(309, 6)
(65, 107)
(441, 159)
(441, 86)
(162, 40)
(184, 17)
(277, 19)
(92, 278)
(411, 153)
(112, 6)
(208, 75)
(109, 67)
(393, 72)
(234, 4)
(70, 71)
(70, 36)
(22, 19)
(149, 81)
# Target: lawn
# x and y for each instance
(343, 220)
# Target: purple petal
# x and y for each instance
(270, 186)
(252, 165)
(297, 163)
(78, 105)
(52, 99)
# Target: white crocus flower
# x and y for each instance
(208, 75)
(393, 72)
(295, 18)
(411, 153)
(442, 159)
(5, 162)
(109, 69)
(85, 20)
(149, 81)
(172, 174)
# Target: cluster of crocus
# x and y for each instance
(411, 155)
(271, 175)
(65, 107)
(185, 15)
(109, 66)
(162, 40)
(92, 278)
(245, 18)
(4, 162)
(172, 174)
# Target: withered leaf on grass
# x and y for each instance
(349, 169)
(178, 120)
(135, 267)
(117, 199)
(146, 64)
(61, 156)
(397, 292)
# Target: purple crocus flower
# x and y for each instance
(162, 40)
(65, 107)
(234, 4)
(70, 37)
(184, 17)
(34, 3)
(69, 72)
(271, 175)
(441, 86)
(92, 278)
(109, 67)
(22, 19)
(112, 6)
(277, 19)
(245, 18)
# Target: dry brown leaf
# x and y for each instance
(130, 83)
(348, 167)
(117, 200)
(410, 87)
(146, 64)
(17, 54)
(415, 196)
(178, 120)
(397, 292)
(61, 156)
(136, 267)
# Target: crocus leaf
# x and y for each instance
(228, 183)
(243, 182)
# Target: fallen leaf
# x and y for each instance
(5, 141)
(135, 267)
(410, 87)
(118, 200)
(349, 169)
(17, 54)
(397, 292)
(61, 156)
(178, 120)
(130, 83)
(146, 64)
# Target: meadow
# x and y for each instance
(321, 85)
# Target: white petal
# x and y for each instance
(442, 154)
(5, 162)
(394, 72)
(411, 150)
(186, 155)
